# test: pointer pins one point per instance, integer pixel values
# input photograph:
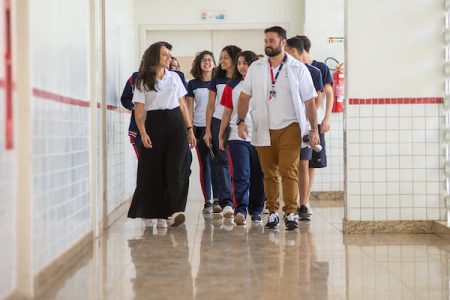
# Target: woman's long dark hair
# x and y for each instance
(232, 51)
(249, 57)
(150, 61)
(196, 70)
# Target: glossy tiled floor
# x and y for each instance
(210, 259)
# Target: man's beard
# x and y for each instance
(273, 52)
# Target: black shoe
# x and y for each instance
(273, 221)
(207, 208)
(290, 221)
(303, 213)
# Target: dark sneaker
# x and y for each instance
(216, 207)
(290, 221)
(273, 221)
(256, 219)
(207, 208)
(303, 213)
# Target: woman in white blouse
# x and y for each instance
(166, 131)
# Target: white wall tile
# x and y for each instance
(353, 163)
(354, 201)
(366, 162)
(354, 188)
(392, 175)
(392, 148)
(366, 150)
(379, 214)
(420, 214)
(366, 201)
(379, 162)
(406, 124)
(379, 149)
(353, 150)
(392, 136)
(406, 200)
(405, 110)
(354, 175)
(366, 124)
(405, 136)
(419, 123)
(352, 111)
(434, 188)
(379, 175)
(379, 188)
(432, 123)
(392, 214)
(433, 214)
(393, 201)
(366, 175)
(406, 162)
(366, 137)
(419, 175)
(418, 110)
(432, 110)
(365, 111)
(419, 149)
(419, 200)
(393, 188)
(367, 214)
(354, 214)
(366, 188)
(392, 110)
(379, 201)
(379, 123)
(433, 201)
(406, 214)
(353, 137)
(419, 136)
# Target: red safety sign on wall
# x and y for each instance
(8, 76)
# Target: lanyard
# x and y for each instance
(274, 79)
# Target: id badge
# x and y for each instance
(272, 93)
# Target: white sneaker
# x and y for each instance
(177, 219)
(162, 223)
(227, 212)
(239, 219)
(149, 222)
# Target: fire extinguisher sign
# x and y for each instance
(335, 39)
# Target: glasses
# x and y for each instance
(207, 60)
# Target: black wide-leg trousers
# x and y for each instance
(163, 170)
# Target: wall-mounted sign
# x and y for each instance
(335, 39)
(212, 15)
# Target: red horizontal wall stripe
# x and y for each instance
(58, 98)
(375, 101)
(72, 101)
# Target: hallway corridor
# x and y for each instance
(209, 258)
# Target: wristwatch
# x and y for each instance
(239, 121)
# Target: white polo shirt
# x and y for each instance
(168, 92)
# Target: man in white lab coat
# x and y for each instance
(281, 92)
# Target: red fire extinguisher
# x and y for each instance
(338, 89)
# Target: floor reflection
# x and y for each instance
(211, 258)
(161, 262)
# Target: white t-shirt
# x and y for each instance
(169, 90)
(233, 91)
(198, 89)
(217, 84)
(281, 107)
